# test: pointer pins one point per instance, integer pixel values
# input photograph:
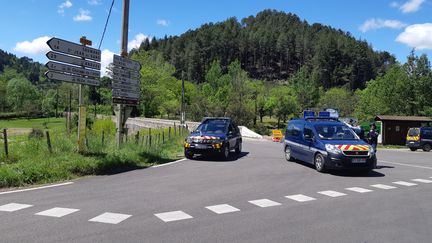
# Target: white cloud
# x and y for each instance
(163, 22)
(36, 46)
(106, 59)
(136, 42)
(84, 15)
(64, 5)
(373, 24)
(411, 6)
(418, 36)
(94, 2)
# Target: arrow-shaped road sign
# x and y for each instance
(71, 78)
(125, 94)
(55, 66)
(126, 63)
(119, 79)
(72, 60)
(74, 49)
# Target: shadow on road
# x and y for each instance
(214, 158)
(349, 173)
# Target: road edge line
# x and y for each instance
(37, 188)
(170, 163)
(415, 166)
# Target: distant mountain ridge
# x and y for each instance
(274, 45)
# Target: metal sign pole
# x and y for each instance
(120, 107)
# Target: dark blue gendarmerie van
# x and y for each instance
(327, 143)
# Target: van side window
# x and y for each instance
(427, 134)
(308, 131)
(293, 130)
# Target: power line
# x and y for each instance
(106, 24)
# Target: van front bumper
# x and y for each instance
(341, 161)
(413, 144)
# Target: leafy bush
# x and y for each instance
(36, 134)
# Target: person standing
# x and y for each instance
(372, 136)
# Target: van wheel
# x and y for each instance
(319, 163)
(239, 148)
(288, 156)
(427, 147)
(225, 152)
(413, 149)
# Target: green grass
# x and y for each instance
(29, 161)
(37, 123)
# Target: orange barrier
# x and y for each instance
(277, 135)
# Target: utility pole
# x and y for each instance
(183, 113)
(120, 109)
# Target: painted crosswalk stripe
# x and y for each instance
(300, 198)
(11, 207)
(332, 193)
(382, 186)
(57, 212)
(404, 183)
(358, 189)
(110, 218)
(422, 180)
(222, 208)
(264, 203)
(173, 216)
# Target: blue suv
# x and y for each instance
(214, 136)
(327, 143)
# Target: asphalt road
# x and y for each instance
(258, 197)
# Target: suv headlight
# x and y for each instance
(189, 140)
(332, 149)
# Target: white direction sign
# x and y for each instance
(72, 60)
(126, 73)
(125, 94)
(125, 87)
(74, 49)
(71, 78)
(55, 66)
(126, 63)
(131, 82)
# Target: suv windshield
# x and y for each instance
(212, 127)
(413, 132)
(335, 132)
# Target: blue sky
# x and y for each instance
(394, 26)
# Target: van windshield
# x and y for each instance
(413, 132)
(335, 132)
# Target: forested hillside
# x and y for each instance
(274, 46)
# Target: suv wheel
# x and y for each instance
(288, 156)
(427, 147)
(319, 163)
(239, 148)
(225, 152)
(188, 155)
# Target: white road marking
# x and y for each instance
(222, 208)
(170, 163)
(332, 193)
(173, 216)
(422, 180)
(404, 183)
(382, 186)
(300, 198)
(37, 188)
(57, 212)
(11, 207)
(264, 203)
(415, 166)
(358, 189)
(110, 218)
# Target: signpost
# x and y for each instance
(60, 69)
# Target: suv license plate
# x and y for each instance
(200, 146)
(358, 160)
